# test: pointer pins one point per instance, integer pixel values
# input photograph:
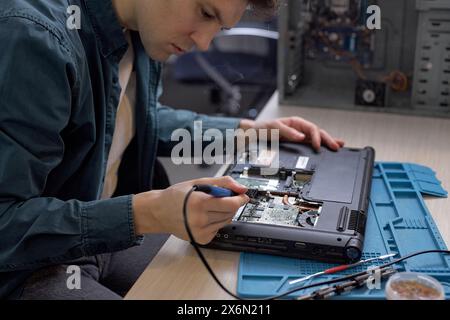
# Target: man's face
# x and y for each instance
(171, 27)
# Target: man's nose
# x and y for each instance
(202, 39)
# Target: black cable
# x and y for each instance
(200, 254)
(197, 249)
(323, 283)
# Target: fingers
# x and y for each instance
(211, 231)
(219, 209)
(207, 213)
(297, 129)
(230, 204)
(329, 141)
(341, 142)
(311, 131)
(314, 134)
(290, 133)
(224, 182)
(207, 233)
(332, 143)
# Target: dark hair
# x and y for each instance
(264, 7)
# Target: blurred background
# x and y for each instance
(236, 77)
(389, 56)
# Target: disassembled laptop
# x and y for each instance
(313, 205)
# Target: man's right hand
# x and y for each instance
(161, 211)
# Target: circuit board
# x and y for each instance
(336, 31)
(289, 181)
(276, 199)
(258, 183)
(286, 211)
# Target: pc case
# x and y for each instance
(328, 56)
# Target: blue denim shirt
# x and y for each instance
(59, 92)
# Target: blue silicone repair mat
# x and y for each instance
(398, 222)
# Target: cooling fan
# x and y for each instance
(370, 93)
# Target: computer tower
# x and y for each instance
(332, 54)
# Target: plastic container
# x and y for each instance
(413, 286)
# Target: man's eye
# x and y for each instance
(207, 15)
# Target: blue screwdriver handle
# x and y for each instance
(216, 192)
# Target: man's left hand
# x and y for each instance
(296, 129)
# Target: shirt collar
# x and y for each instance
(106, 27)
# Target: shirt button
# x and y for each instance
(115, 80)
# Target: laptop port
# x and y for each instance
(300, 245)
(264, 240)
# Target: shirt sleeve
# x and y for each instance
(170, 120)
(37, 81)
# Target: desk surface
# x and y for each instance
(177, 273)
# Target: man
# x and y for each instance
(80, 128)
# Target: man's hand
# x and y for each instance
(160, 211)
(296, 129)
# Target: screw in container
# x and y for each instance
(413, 286)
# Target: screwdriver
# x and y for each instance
(341, 268)
(216, 192)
